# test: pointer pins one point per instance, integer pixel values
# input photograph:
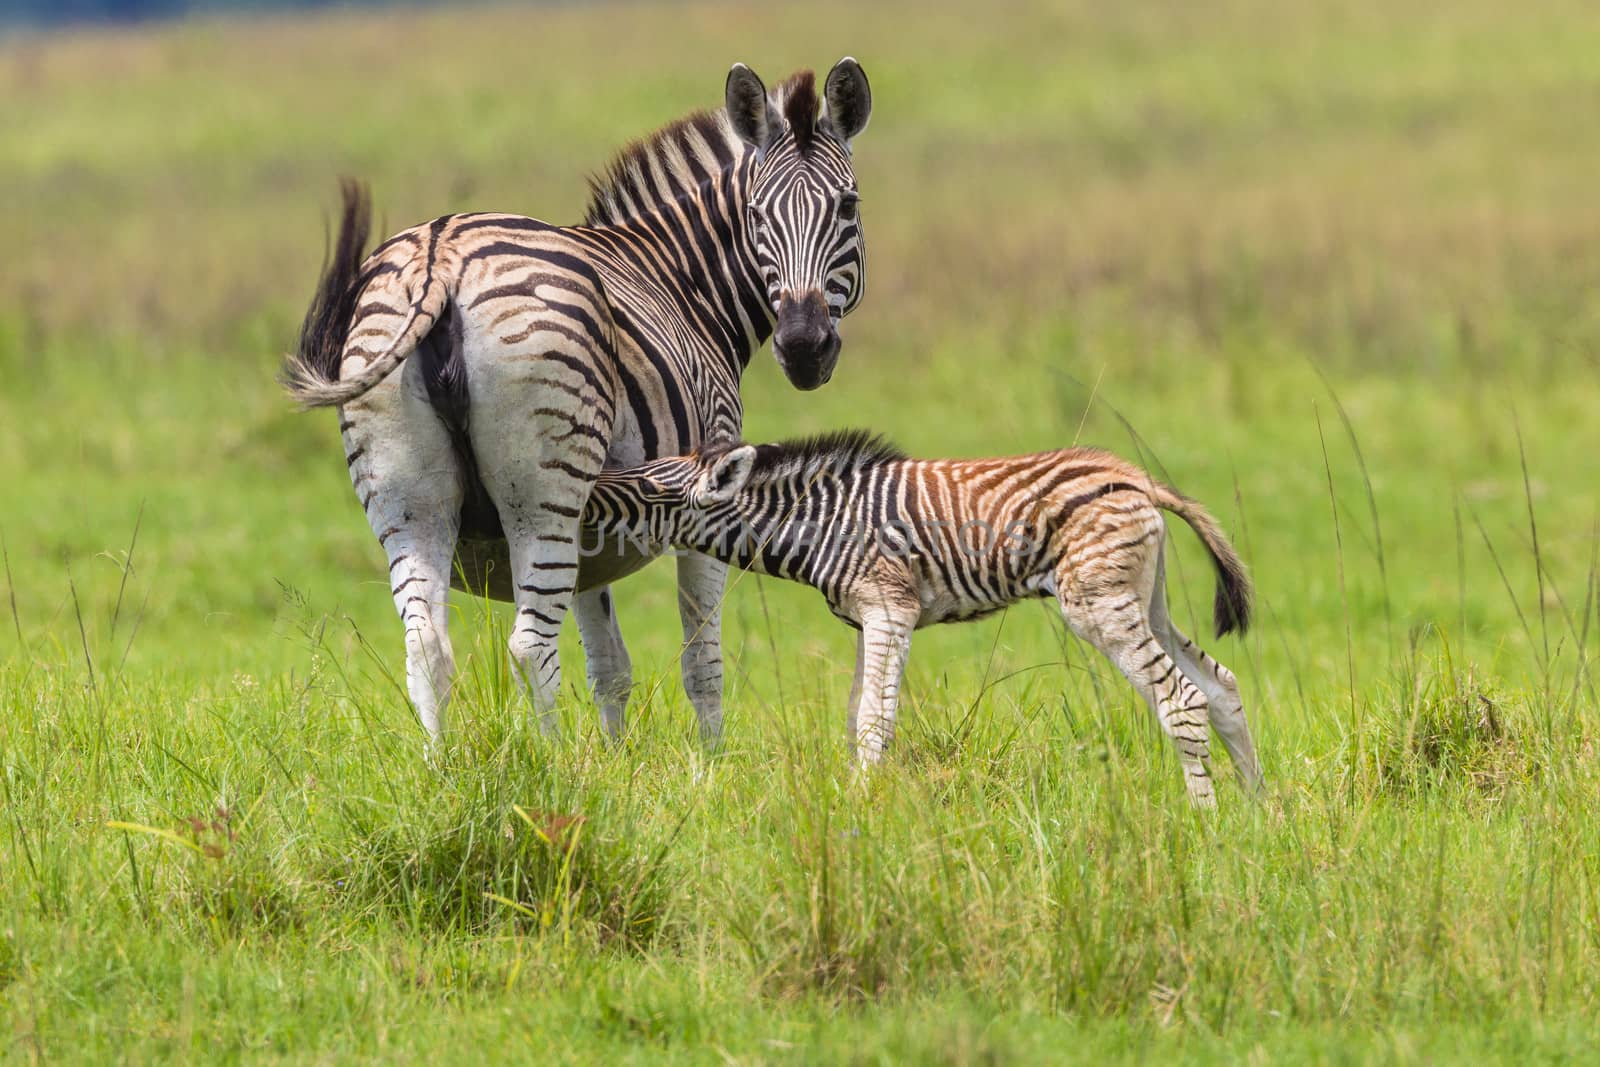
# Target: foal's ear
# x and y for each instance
(848, 98)
(728, 474)
(754, 118)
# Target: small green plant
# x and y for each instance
(1449, 728)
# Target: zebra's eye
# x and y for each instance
(848, 203)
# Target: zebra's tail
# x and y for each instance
(311, 374)
(1231, 608)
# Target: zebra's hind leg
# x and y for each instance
(610, 670)
(544, 565)
(405, 474)
(1216, 681)
(701, 581)
(1112, 617)
(430, 661)
(541, 425)
(422, 594)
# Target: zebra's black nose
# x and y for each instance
(805, 341)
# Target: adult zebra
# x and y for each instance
(544, 352)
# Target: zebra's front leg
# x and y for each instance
(610, 670)
(885, 645)
(701, 581)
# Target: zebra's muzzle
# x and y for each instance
(805, 340)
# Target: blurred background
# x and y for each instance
(1306, 259)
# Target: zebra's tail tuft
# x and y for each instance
(1231, 606)
(311, 374)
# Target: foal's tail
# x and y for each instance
(1231, 609)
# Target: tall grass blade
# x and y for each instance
(11, 592)
(1344, 597)
(1372, 500)
(1511, 594)
(1533, 530)
(127, 568)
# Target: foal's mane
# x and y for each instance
(850, 449)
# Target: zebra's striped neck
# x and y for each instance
(682, 193)
(703, 238)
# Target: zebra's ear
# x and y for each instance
(848, 98)
(727, 475)
(753, 117)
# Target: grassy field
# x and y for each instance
(1333, 270)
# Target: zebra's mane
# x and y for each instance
(677, 158)
(837, 449)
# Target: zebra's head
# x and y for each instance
(712, 474)
(803, 208)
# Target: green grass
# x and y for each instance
(1330, 270)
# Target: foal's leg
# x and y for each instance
(1215, 680)
(1107, 610)
(885, 643)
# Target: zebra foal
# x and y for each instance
(895, 544)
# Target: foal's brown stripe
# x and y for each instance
(1074, 503)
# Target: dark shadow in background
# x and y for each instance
(47, 14)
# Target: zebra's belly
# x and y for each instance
(948, 605)
(483, 567)
(604, 562)
(963, 611)
(941, 600)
